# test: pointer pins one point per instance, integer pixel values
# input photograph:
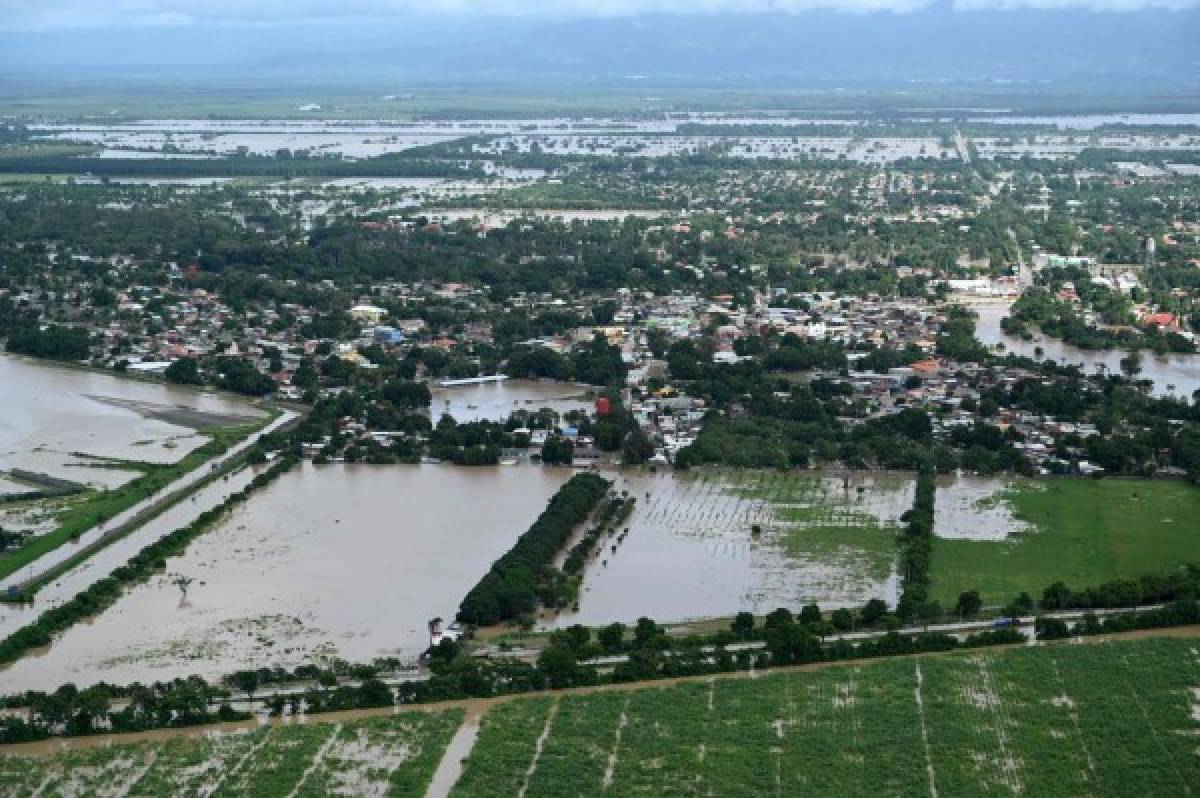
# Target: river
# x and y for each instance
(51, 411)
(1177, 374)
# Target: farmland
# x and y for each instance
(1082, 532)
(380, 756)
(1112, 719)
(1116, 718)
(723, 540)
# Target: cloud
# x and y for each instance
(45, 15)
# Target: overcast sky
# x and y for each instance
(51, 15)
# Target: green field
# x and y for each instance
(393, 756)
(1117, 718)
(1110, 719)
(1085, 532)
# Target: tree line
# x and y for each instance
(525, 573)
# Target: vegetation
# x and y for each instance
(1078, 531)
(140, 567)
(1027, 721)
(394, 756)
(525, 574)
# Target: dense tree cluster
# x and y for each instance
(526, 574)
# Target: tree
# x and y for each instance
(842, 620)
(646, 632)
(743, 625)
(873, 610)
(638, 448)
(969, 604)
(612, 636)
(184, 371)
(557, 450)
(778, 618)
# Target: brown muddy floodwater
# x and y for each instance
(349, 561)
(51, 411)
(496, 401)
(691, 551)
(1171, 374)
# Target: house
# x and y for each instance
(368, 313)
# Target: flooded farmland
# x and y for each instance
(975, 508)
(52, 412)
(339, 560)
(692, 551)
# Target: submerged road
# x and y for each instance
(127, 533)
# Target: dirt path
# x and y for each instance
(476, 707)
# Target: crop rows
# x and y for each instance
(1108, 719)
(392, 756)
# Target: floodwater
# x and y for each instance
(691, 551)
(1177, 374)
(51, 411)
(1092, 121)
(866, 150)
(496, 401)
(348, 561)
(502, 218)
(104, 561)
(974, 508)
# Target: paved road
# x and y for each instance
(124, 522)
(1024, 271)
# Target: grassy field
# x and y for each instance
(393, 756)
(1085, 532)
(1110, 719)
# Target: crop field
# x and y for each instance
(1080, 531)
(826, 516)
(714, 542)
(1106, 719)
(392, 756)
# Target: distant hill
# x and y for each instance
(938, 45)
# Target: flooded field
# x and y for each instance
(975, 508)
(1068, 146)
(861, 150)
(52, 412)
(349, 561)
(501, 218)
(496, 401)
(103, 562)
(372, 757)
(692, 550)
(1177, 374)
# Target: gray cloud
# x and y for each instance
(47, 15)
